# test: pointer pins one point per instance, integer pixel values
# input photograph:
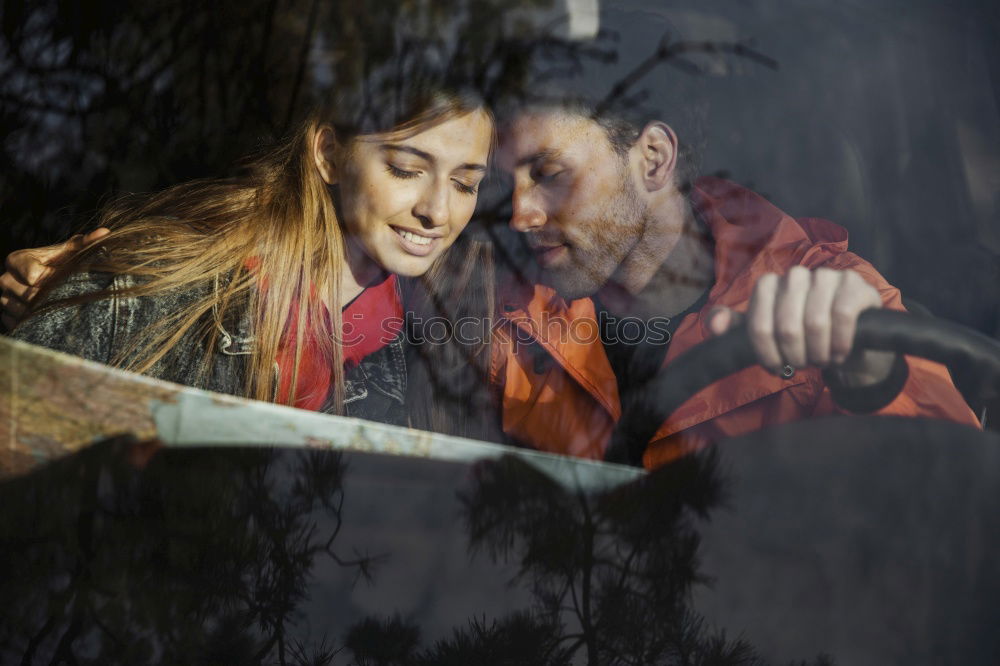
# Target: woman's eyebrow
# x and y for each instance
(409, 149)
(468, 166)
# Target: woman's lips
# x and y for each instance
(416, 244)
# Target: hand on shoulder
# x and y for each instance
(28, 270)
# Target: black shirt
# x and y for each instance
(636, 348)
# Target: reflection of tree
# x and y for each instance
(615, 570)
(203, 557)
(383, 643)
(97, 96)
(519, 639)
(611, 575)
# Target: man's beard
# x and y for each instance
(594, 257)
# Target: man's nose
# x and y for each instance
(432, 206)
(527, 215)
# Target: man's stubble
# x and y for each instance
(601, 243)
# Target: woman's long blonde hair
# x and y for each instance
(269, 241)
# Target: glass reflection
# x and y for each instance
(203, 557)
(251, 556)
(610, 574)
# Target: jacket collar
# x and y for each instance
(568, 331)
(753, 237)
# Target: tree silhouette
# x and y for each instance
(519, 639)
(104, 96)
(389, 642)
(611, 575)
(614, 570)
(204, 556)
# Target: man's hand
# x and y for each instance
(809, 318)
(27, 271)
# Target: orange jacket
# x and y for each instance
(560, 393)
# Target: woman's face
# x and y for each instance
(403, 202)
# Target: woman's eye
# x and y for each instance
(401, 173)
(465, 188)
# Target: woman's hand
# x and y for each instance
(28, 270)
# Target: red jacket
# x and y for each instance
(560, 393)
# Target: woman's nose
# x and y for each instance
(432, 207)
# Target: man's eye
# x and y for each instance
(546, 174)
(400, 173)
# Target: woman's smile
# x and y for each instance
(417, 243)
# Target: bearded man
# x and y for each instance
(637, 267)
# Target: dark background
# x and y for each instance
(881, 116)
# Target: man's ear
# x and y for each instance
(657, 145)
(325, 150)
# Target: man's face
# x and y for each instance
(574, 199)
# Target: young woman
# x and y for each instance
(282, 285)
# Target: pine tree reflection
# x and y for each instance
(387, 642)
(613, 571)
(211, 557)
(611, 575)
(519, 639)
(204, 557)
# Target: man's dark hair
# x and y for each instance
(621, 84)
(621, 133)
(622, 124)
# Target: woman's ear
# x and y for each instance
(657, 146)
(325, 149)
